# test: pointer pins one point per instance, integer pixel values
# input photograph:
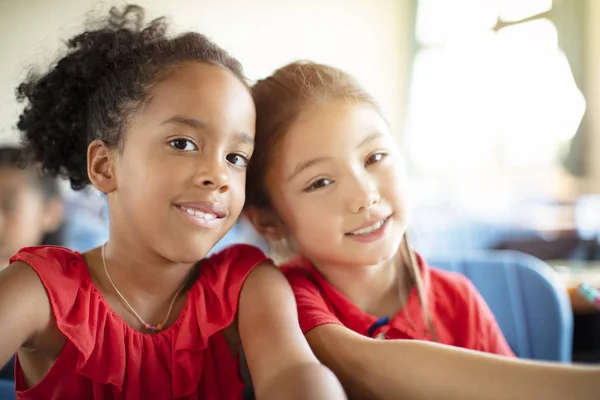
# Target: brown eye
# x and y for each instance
(183, 145)
(375, 158)
(318, 184)
(238, 160)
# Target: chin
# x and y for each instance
(187, 251)
(377, 254)
(357, 257)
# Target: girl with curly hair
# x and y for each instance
(164, 126)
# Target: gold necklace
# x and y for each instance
(147, 326)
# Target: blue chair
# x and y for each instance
(7, 390)
(530, 304)
(8, 371)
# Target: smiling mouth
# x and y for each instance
(199, 214)
(202, 219)
(369, 229)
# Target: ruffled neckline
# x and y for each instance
(105, 342)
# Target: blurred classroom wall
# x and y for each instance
(367, 38)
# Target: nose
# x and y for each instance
(364, 194)
(213, 173)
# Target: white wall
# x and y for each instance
(368, 38)
(593, 94)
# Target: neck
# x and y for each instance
(142, 275)
(379, 290)
(148, 273)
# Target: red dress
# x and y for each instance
(104, 358)
(459, 314)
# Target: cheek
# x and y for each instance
(313, 221)
(143, 164)
(290, 209)
(396, 189)
(147, 181)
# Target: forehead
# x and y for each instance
(205, 91)
(332, 128)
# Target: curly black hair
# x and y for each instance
(106, 76)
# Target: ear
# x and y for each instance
(53, 215)
(100, 166)
(266, 223)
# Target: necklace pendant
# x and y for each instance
(145, 325)
(153, 328)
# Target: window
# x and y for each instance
(490, 87)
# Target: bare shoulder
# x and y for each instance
(266, 285)
(25, 309)
(263, 269)
(21, 282)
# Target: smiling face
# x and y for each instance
(179, 178)
(338, 184)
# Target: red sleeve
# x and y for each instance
(222, 276)
(313, 309)
(485, 331)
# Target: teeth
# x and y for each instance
(369, 229)
(200, 214)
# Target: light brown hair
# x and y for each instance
(280, 100)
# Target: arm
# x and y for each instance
(24, 309)
(373, 369)
(279, 358)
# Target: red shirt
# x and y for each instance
(104, 358)
(458, 313)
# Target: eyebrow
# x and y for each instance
(243, 137)
(191, 122)
(240, 137)
(370, 138)
(302, 166)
